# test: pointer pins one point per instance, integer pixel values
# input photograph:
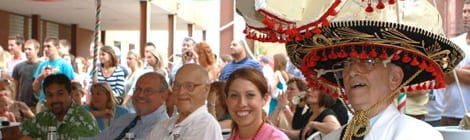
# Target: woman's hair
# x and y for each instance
(219, 88)
(84, 63)
(109, 50)
(255, 77)
(159, 58)
(78, 86)
(9, 86)
(206, 50)
(140, 64)
(301, 84)
(325, 100)
(280, 62)
(111, 103)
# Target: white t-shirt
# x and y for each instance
(453, 104)
(434, 105)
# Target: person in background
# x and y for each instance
(20, 110)
(5, 103)
(191, 88)
(155, 63)
(289, 115)
(217, 105)
(246, 93)
(64, 52)
(15, 46)
(434, 107)
(54, 65)
(78, 93)
(72, 121)
(23, 74)
(188, 55)
(322, 119)
(240, 60)
(103, 105)
(280, 78)
(454, 108)
(110, 72)
(82, 72)
(207, 60)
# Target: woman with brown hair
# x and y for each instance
(247, 93)
(110, 72)
(289, 114)
(207, 60)
(322, 119)
(217, 105)
(103, 105)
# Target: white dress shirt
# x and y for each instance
(393, 125)
(199, 125)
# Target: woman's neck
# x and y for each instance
(107, 65)
(251, 130)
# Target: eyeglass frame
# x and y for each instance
(146, 91)
(192, 86)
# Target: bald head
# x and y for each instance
(194, 69)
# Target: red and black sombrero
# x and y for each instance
(412, 40)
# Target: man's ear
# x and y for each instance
(396, 77)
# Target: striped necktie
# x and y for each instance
(129, 127)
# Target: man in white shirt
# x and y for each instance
(191, 87)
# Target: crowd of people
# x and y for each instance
(206, 96)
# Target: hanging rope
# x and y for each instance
(96, 40)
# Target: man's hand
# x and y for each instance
(107, 113)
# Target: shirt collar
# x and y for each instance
(156, 115)
(241, 61)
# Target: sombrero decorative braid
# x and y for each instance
(319, 35)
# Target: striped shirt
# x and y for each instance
(116, 80)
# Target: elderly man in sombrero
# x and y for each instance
(363, 51)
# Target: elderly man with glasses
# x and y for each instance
(150, 93)
(191, 87)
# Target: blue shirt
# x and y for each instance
(118, 112)
(143, 127)
(59, 66)
(231, 67)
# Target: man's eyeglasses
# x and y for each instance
(362, 65)
(187, 85)
(146, 91)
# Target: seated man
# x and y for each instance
(71, 120)
(191, 88)
(151, 90)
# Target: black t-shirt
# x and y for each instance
(320, 118)
(300, 120)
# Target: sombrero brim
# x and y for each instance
(410, 47)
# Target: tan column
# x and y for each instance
(103, 36)
(171, 37)
(190, 30)
(204, 34)
(36, 27)
(144, 25)
(227, 9)
(451, 13)
(74, 39)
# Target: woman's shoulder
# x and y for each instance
(270, 132)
